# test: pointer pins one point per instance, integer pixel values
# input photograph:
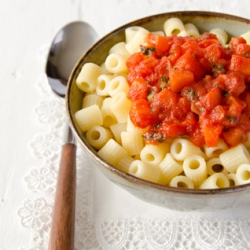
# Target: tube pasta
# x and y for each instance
(213, 152)
(104, 69)
(195, 168)
(98, 136)
(88, 117)
(132, 127)
(234, 157)
(173, 26)
(116, 63)
(181, 181)
(117, 129)
(243, 174)
(214, 165)
(218, 180)
(169, 168)
(107, 114)
(116, 85)
(221, 35)
(87, 78)
(92, 99)
(125, 163)
(154, 154)
(191, 29)
(102, 83)
(182, 148)
(132, 142)
(232, 180)
(145, 171)
(120, 106)
(112, 152)
(246, 36)
(135, 40)
(159, 32)
(120, 49)
(130, 32)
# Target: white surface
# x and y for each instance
(32, 119)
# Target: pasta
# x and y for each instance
(213, 152)
(169, 168)
(218, 180)
(181, 181)
(102, 83)
(136, 39)
(98, 136)
(92, 99)
(214, 165)
(116, 63)
(221, 35)
(94, 117)
(173, 26)
(132, 142)
(120, 49)
(87, 78)
(181, 149)
(117, 129)
(124, 163)
(243, 174)
(195, 169)
(232, 180)
(116, 85)
(234, 157)
(112, 152)
(105, 120)
(107, 114)
(191, 30)
(145, 171)
(120, 106)
(154, 153)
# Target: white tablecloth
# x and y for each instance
(32, 120)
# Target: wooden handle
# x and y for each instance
(63, 218)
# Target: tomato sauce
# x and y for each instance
(192, 88)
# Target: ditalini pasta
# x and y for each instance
(195, 169)
(177, 161)
(181, 181)
(243, 174)
(87, 79)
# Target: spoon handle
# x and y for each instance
(63, 217)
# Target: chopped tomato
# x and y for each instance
(189, 62)
(140, 113)
(138, 90)
(180, 78)
(134, 60)
(161, 43)
(234, 136)
(241, 64)
(211, 99)
(193, 88)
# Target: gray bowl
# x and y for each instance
(164, 196)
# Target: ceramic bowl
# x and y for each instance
(164, 196)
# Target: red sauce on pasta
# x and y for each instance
(192, 88)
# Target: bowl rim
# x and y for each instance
(125, 176)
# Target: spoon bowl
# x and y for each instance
(67, 47)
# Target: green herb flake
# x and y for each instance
(165, 79)
(150, 96)
(231, 119)
(147, 51)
